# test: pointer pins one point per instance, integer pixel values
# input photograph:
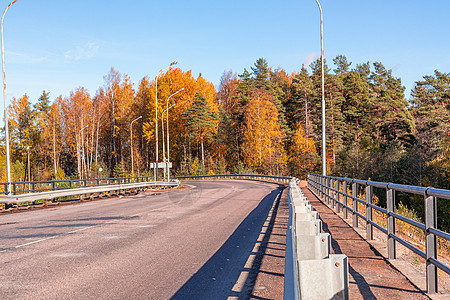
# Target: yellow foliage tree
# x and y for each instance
(302, 154)
(168, 83)
(262, 147)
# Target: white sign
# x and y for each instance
(161, 165)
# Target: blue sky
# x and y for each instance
(57, 45)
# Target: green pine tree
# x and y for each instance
(201, 121)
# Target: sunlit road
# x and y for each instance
(185, 244)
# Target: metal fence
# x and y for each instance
(25, 192)
(239, 176)
(22, 187)
(335, 191)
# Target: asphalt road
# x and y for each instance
(185, 244)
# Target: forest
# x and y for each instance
(261, 121)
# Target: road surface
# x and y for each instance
(185, 244)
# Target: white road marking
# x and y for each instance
(54, 236)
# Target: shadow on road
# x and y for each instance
(217, 277)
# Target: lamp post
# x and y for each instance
(82, 153)
(162, 127)
(156, 119)
(131, 143)
(167, 123)
(8, 164)
(324, 150)
(28, 167)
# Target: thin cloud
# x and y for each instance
(87, 51)
(310, 58)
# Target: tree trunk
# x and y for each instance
(203, 153)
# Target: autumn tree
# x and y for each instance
(303, 156)
(262, 145)
(201, 121)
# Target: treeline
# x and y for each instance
(263, 120)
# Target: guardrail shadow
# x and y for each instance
(225, 274)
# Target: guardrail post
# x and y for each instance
(328, 184)
(355, 204)
(369, 199)
(431, 243)
(320, 187)
(390, 193)
(344, 190)
(338, 196)
(14, 188)
(333, 185)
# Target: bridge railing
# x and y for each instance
(335, 191)
(320, 274)
(239, 176)
(22, 187)
(32, 191)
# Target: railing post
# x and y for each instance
(320, 179)
(324, 189)
(328, 192)
(355, 204)
(390, 193)
(431, 243)
(333, 200)
(14, 188)
(338, 196)
(369, 199)
(344, 190)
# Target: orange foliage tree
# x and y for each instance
(262, 147)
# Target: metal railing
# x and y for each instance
(21, 187)
(239, 176)
(291, 280)
(335, 191)
(24, 192)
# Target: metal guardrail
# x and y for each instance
(21, 187)
(291, 280)
(334, 190)
(239, 176)
(319, 274)
(57, 192)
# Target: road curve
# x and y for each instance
(184, 244)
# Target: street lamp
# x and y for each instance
(28, 167)
(8, 164)
(131, 143)
(167, 123)
(156, 118)
(162, 127)
(82, 153)
(324, 151)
